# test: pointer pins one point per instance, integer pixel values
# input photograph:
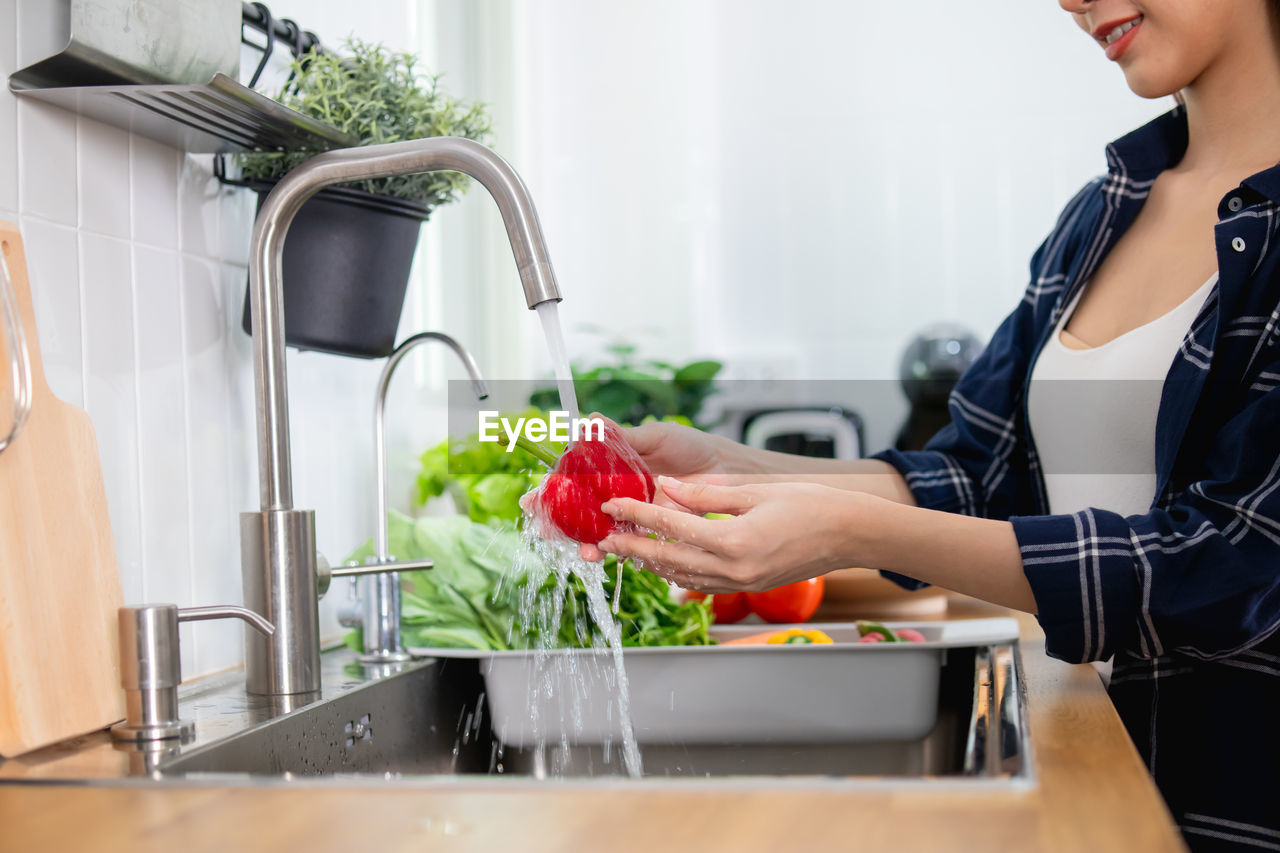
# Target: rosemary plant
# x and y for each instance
(379, 96)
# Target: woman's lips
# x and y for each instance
(1116, 48)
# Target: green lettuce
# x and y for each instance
(471, 598)
(484, 479)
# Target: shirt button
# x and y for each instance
(1237, 243)
(1234, 203)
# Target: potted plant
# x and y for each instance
(629, 389)
(349, 249)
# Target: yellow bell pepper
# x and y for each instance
(798, 636)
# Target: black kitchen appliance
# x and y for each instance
(931, 365)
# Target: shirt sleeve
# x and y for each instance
(968, 467)
(976, 465)
(1200, 576)
(965, 468)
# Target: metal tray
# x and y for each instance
(838, 693)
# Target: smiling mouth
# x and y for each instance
(1117, 31)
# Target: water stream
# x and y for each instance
(562, 558)
(549, 314)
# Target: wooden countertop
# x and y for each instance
(1092, 793)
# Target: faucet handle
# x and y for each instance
(325, 573)
(151, 666)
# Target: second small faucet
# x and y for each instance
(378, 610)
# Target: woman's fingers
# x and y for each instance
(697, 583)
(705, 497)
(668, 560)
(679, 563)
(670, 523)
(646, 438)
(590, 553)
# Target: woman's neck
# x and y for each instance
(1233, 111)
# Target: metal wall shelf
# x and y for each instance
(97, 75)
(222, 116)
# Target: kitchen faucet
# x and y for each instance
(378, 612)
(277, 543)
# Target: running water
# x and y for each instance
(592, 575)
(562, 558)
(549, 314)
(571, 678)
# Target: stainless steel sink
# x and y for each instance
(427, 721)
(422, 717)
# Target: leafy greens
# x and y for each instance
(484, 479)
(471, 599)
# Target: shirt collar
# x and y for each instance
(1152, 148)
(1161, 142)
(1266, 182)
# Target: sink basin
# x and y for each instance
(427, 721)
(417, 718)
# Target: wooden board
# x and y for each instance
(59, 586)
(863, 594)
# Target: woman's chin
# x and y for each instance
(1152, 83)
(1151, 89)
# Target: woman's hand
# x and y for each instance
(784, 532)
(780, 533)
(699, 457)
(675, 450)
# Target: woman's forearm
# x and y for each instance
(854, 475)
(783, 532)
(974, 556)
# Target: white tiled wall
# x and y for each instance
(137, 259)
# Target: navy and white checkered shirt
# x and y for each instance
(1186, 597)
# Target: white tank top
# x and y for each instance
(1093, 411)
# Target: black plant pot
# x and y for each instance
(346, 267)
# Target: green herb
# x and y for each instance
(630, 390)
(378, 95)
(649, 615)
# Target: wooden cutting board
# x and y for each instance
(59, 586)
(863, 594)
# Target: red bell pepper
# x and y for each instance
(590, 472)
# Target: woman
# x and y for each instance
(1165, 271)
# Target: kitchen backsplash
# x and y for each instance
(137, 260)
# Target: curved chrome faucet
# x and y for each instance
(379, 614)
(277, 548)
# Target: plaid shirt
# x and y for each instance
(1186, 597)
